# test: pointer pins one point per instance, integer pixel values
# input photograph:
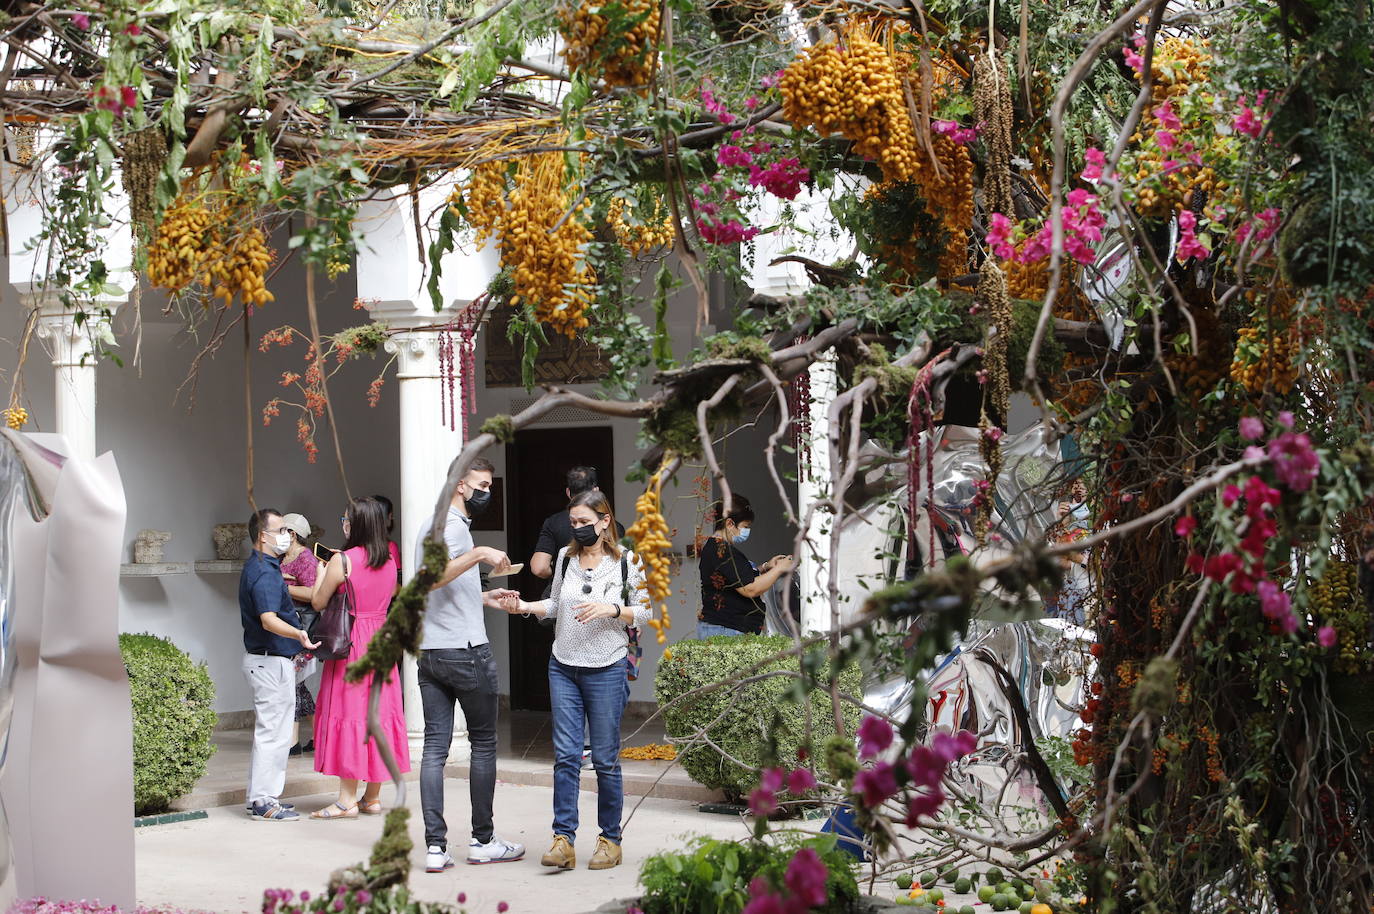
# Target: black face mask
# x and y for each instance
(586, 535)
(477, 502)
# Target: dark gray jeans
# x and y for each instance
(466, 676)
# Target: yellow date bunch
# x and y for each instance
(650, 534)
(638, 234)
(543, 245)
(652, 752)
(1266, 352)
(16, 416)
(1166, 172)
(1336, 600)
(615, 39)
(201, 240)
(851, 87)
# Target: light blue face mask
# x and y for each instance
(741, 536)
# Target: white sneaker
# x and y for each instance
(494, 851)
(437, 860)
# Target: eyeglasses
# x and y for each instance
(343, 519)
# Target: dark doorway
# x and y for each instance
(537, 466)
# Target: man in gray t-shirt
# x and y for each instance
(456, 665)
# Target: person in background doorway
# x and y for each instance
(272, 636)
(556, 532)
(342, 746)
(457, 666)
(298, 568)
(390, 538)
(597, 592)
(731, 585)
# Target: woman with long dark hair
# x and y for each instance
(341, 744)
(596, 594)
(732, 587)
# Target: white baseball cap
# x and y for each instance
(297, 524)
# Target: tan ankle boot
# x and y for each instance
(561, 854)
(607, 855)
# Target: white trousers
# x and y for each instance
(273, 680)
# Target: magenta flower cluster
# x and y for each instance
(920, 771)
(1249, 121)
(763, 801)
(961, 135)
(1296, 464)
(803, 887)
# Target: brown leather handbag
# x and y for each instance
(334, 628)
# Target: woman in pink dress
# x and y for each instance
(341, 744)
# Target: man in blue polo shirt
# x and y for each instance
(272, 636)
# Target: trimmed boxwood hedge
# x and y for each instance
(750, 715)
(173, 702)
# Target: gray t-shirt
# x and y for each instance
(455, 617)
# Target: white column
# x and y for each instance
(74, 362)
(427, 446)
(814, 487)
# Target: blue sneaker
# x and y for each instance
(271, 809)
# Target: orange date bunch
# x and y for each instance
(653, 546)
(539, 229)
(613, 40)
(201, 240)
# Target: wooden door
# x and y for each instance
(537, 465)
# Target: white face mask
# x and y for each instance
(283, 542)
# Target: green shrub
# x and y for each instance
(173, 702)
(712, 877)
(751, 717)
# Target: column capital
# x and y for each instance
(68, 342)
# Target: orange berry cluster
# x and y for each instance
(623, 58)
(16, 416)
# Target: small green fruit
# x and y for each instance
(928, 879)
(985, 893)
(994, 875)
(1000, 902)
(1005, 888)
(903, 881)
(1025, 907)
(904, 900)
(967, 909)
(962, 886)
(935, 895)
(950, 875)
(1028, 892)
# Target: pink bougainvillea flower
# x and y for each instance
(783, 178)
(725, 232)
(999, 236)
(1096, 160)
(1295, 461)
(1260, 494)
(1185, 526)
(772, 79)
(1285, 419)
(762, 803)
(1251, 427)
(800, 781)
(133, 30)
(922, 805)
(772, 779)
(876, 784)
(805, 879)
(1168, 118)
(1165, 140)
(728, 156)
(502, 907)
(1188, 244)
(763, 900)
(1230, 495)
(875, 735)
(1326, 636)
(81, 21)
(1274, 603)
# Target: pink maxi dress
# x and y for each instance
(341, 746)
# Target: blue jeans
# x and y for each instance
(707, 629)
(597, 696)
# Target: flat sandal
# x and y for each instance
(345, 812)
(371, 809)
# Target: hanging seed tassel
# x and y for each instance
(144, 152)
(992, 296)
(992, 104)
